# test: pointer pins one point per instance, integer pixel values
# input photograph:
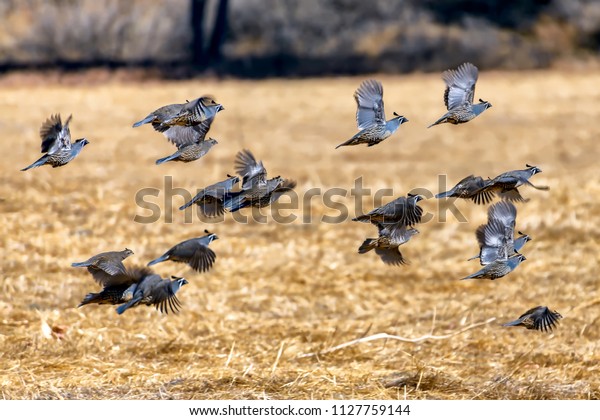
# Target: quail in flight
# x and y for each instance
(458, 96)
(539, 318)
(210, 199)
(498, 268)
(403, 211)
(106, 263)
(387, 244)
(496, 237)
(154, 290)
(370, 116)
(186, 115)
(56, 143)
(194, 252)
(471, 187)
(506, 184)
(191, 142)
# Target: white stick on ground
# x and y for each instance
(395, 337)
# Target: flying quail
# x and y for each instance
(187, 114)
(386, 245)
(259, 196)
(253, 172)
(458, 96)
(506, 184)
(190, 142)
(257, 190)
(370, 116)
(539, 318)
(117, 288)
(56, 143)
(105, 264)
(471, 187)
(210, 199)
(496, 238)
(194, 252)
(154, 290)
(402, 211)
(498, 268)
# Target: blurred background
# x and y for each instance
(265, 38)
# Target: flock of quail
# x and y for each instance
(186, 126)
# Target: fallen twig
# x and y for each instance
(380, 336)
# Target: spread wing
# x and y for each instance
(55, 136)
(182, 136)
(544, 319)
(252, 171)
(211, 206)
(369, 100)
(505, 213)
(512, 195)
(164, 298)
(203, 259)
(390, 256)
(111, 267)
(460, 85)
(493, 242)
(128, 276)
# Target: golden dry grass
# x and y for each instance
(301, 288)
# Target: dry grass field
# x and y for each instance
(280, 291)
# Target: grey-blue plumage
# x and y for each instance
(471, 187)
(251, 171)
(190, 152)
(256, 189)
(496, 237)
(259, 196)
(506, 184)
(191, 142)
(56, 143)
(458, 96)
(210, 199)
(498, 268)
(370, 116)
(118, 287)
(106, 264)
(194, 252)
(403, 211)
(185, 115)
(540, 318)
(154, 290)
(387, 244)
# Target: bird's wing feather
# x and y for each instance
(252, 171)
(391, 256)
(55, 136)
(182, 136)
(460, 85)
(369, 101)
(203, 259)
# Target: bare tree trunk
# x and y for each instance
(219, 32)
(198, 54)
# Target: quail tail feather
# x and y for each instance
(80, 264)
(122, 308)
(41, 161)
(512, 323)
(367, 245)
(159, 259)
(441, 120)
(167, 159)
(90, 298)
(146, 120)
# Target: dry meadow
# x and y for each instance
(280, 295)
